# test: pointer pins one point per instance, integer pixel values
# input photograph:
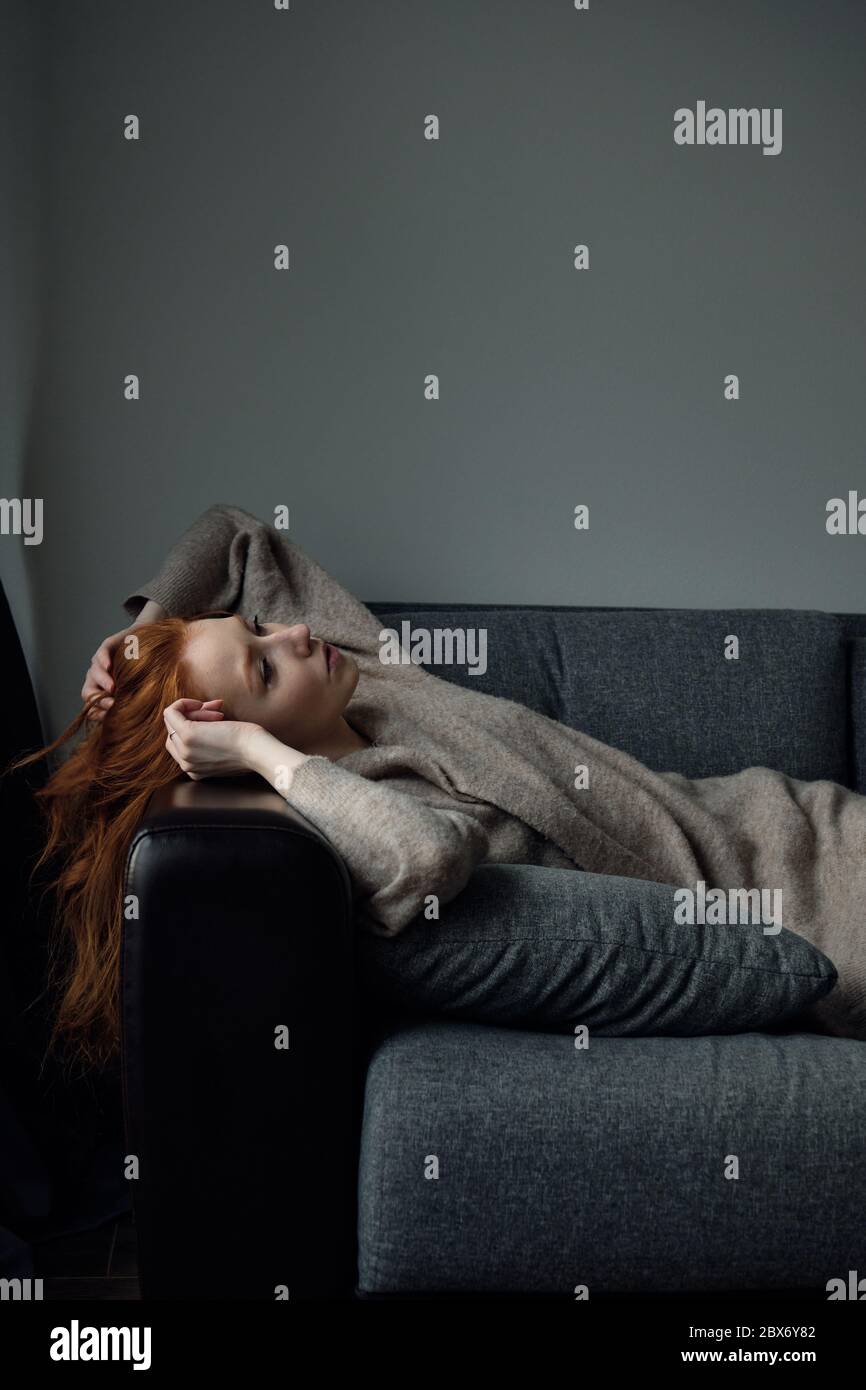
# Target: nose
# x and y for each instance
(293, 633)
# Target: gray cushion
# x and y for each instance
(654, 682)
(858, 711)
(606, 1167)
(533, 947)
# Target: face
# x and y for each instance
(269, 674)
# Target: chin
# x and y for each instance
(354, 672)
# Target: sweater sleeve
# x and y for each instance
(204, 569)
(397, 848)
(230, 559)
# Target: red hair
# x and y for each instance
(92, 804)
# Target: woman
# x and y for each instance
(246, 656)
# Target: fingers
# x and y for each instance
(178, 717)
(175, 715)
(185, 703)
(201, 709)
(99, 676)
(99, 707)
(207, 712)
(186, 711)
(99, 710)
(96, 679)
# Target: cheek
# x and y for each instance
(305, 698)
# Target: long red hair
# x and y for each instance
(92, 804)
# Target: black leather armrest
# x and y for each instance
(238, 923)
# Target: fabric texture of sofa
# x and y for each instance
(410, 1143)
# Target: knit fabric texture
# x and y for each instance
(458, 777)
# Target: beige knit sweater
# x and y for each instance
(456, 777)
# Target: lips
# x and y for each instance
(332, 655)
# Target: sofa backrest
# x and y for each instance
(657, 683)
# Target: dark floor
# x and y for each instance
(102, 1263)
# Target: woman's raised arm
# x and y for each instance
(229, 559)
(204, 568)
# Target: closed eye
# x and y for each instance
(266, 668)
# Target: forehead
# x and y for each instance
(212, 641)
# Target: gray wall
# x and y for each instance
(455, 257)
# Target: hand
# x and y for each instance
(203, 742)
(99, 675)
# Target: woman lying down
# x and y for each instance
(246, 656)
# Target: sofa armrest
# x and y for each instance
(239, 922)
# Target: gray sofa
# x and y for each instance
(404, 1147)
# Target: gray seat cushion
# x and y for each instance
(607, 1167)
(532, 947)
